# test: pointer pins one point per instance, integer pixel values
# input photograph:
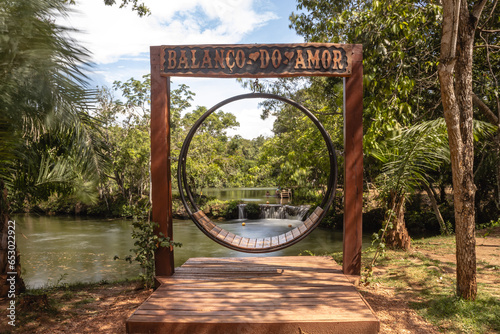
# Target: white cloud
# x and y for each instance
(111, 33)
(119, 40)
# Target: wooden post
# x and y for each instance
(251, 62)
(353, 164)
(161, 182)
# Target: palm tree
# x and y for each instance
(48, 139)
(407, 160)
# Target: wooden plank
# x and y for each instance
(320, 262)
(244, 242)
(222, 234)
(229, 237)
(344, 327)
(259, 243)
(237, 240)
(267, 242)
(257, 60)
(252, 242)
(302, 228)
(216, 230)
(253, 294)
(275, 241)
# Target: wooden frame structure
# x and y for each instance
(256, 61)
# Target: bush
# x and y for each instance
(253, 211)
(215, 208)
(232, 209)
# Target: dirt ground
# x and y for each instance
(105, 308)
(392, 309)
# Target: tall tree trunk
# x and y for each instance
(455, 76)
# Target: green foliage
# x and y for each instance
(409, 157)
(232, 211)
(216, 208)
(400, 42)
(50, 143)
(296, 157)
(490, 225)
(147, 242)
(252, 210)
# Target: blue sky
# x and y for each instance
(119, 41)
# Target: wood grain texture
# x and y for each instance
(257, 243)
(353, 165)
(298, 294)
(161, 181)
(257, 60)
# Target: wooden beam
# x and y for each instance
(161, 181)
(353, 165)
(257, 60)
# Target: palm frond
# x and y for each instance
(409, 157)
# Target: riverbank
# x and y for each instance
(410, 292)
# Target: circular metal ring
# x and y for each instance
(260, 245)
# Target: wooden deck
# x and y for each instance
(299, 294)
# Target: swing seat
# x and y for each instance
(263, 244)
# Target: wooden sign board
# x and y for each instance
(257, 60)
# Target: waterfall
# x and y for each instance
(272, 211)
(277, 211)
(297, 212)
(242, 214)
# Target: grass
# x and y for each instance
(429, 286)
(457, 315)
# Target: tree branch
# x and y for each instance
(487, 46)
(489, 31)
(491, 13)
(477, 10)
(484, 109)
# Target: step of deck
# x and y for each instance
(298, 294)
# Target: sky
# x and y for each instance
(119, 41)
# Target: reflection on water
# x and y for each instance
(247, 195)
(68, 249)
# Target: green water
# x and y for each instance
(247, 195)
(57, 250)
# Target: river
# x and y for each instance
(57, 250)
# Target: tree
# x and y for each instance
(407, 160)
(47, 143)
(402, 47)
(486, 98)
(400, 43)
(208, 162)
(455, 75)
